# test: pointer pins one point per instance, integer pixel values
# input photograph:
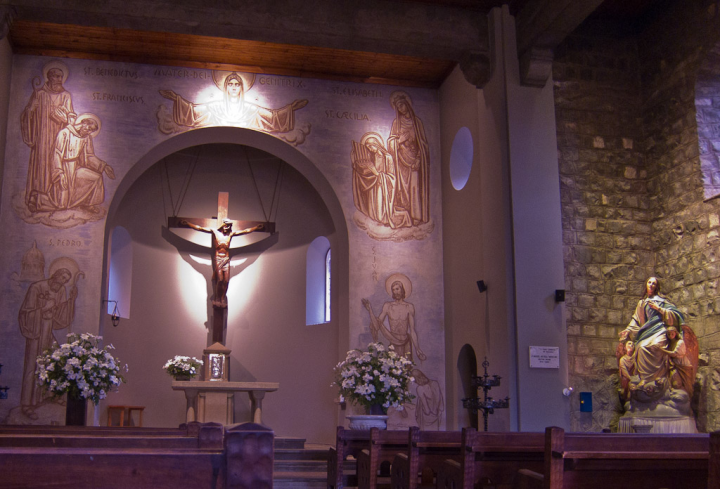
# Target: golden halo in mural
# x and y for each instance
(398, 277)
(58, 65)
(372, 135)
(88, 115)
(395, 97)
(67, 263)
(219, 78)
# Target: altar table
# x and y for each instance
(213, 401)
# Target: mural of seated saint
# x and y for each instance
(232, 110)
(660, 365)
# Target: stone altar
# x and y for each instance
(212, 401)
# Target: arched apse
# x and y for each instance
(255, 334)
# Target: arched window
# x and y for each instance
(317, 289)
(120, 276)
(328, 260)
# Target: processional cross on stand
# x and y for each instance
(222, 233)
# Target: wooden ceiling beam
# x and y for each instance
(44, 39)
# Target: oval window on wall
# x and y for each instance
(461, 157)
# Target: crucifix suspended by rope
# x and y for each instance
(222, 231)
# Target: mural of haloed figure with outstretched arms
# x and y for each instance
(661, 363)
(232, 109)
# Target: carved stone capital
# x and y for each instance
(7, 15)
(536, 66)
(477, 67)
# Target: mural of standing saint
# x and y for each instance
(409, 146)
(234, 110)
(48, 111)
(48, 306)
(400, 328)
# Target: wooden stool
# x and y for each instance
(125, 413)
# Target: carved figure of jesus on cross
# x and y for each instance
(222, 233)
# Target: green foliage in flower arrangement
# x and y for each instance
(378, 376)
(80, 368)
(181, 365)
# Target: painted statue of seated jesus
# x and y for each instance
(221, 238)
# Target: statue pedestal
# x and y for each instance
(678, 424)
(212, 401)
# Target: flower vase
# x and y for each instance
(75, 410)
(182, 377)
(377, 418)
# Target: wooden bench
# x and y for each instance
(224, 459)
(348, 443)
(600, 461)
(195, 436)
(384, 445)
(492, 459)
(426, 452)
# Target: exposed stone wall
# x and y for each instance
(686, 230)
(632, 189)
(606, 216)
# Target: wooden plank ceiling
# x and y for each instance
(161, 48)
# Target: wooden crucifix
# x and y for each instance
(221, 229)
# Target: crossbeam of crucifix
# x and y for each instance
(222, 231)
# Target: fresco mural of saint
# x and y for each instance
(375, 181)
(430, 404)
(76, 173)
(48, 111)
(65, 180)
(48, 306)
(409, 146)
(391, 183)
(400, 328)
(233, 110)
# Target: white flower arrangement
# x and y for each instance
(79, 368)
(378, 376)
(181, 365)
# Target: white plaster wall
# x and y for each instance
(537, 241)
(477, 242)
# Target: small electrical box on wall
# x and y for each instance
(586, 402)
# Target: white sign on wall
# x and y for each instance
(544, 357)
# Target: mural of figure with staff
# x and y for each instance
(48, 306)
(401, 318)
(48, 111)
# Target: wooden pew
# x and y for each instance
(426, 452)
(600, 461)
(232, 458)
(492, 459)
(348, 443)
(96, 437)
(384, 445)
